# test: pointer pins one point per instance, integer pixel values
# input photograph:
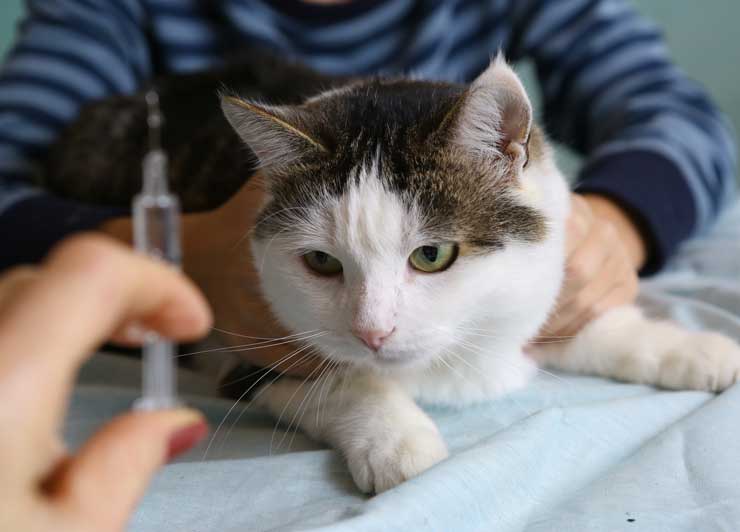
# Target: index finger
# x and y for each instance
(86, 289)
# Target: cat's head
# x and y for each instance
(401, 215)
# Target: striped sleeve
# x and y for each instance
(653, 140)
(67, 52)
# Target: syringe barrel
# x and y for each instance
(157, 234)
(159, 375)
(157, 226)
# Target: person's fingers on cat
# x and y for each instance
(103, 482)
(589, 266)
(585, 262)
(596, 261)
(588, 243)
(615, 285)
(576, 304)
(618, 296)
(578, 224)
(588, 283)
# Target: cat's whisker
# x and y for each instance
(488, 331)
(281, 211)
(296, 337)
(271, 366)
(446, 364)
(345, 378)
(512, 363)
(462, 359)
(466, 362)
(326, 375)
(224, 331)
(287, 403)
(262, 390)
(318, 406)
(546, 342)
(231, 409)
(267, 248)
(473, 348)
(253, 346)
(260, 222)
(267, 345)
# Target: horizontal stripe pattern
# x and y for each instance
(608, 83)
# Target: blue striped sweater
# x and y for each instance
(652, 139)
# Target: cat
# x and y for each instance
(419, 228)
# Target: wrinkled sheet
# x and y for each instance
(568, 453)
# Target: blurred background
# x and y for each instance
(702, 36)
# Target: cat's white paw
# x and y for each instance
(705, 361)
(382, 462)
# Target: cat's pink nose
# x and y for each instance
(373, 338)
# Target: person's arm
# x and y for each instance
(656, 147)
(66, 54)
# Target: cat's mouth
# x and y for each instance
(396, 359)
(346, 349)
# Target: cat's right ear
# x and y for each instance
(277, 135)
(494, 117)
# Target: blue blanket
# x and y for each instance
(567, 453)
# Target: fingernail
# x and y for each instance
(186, 438)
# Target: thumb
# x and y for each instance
(111, 472)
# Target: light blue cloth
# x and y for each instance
(568, 453)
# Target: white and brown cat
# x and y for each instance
(418, 228)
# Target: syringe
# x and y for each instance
(156, 215)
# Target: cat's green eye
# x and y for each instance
(433, 258)
(322, 263)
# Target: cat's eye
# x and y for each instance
(433, 258)
(322, 263)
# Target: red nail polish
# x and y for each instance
(186, 438)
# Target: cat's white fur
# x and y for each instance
(459, 335)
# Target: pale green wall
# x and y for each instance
(704, 40)
(702, 36)
(10, 10)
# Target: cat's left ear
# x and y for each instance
(494, 117)
(278, 135)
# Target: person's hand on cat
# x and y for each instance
(604, 252)
(51, 319)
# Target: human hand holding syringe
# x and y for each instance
(88, 290)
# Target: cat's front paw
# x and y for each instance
(705, 361)
(384, 461)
